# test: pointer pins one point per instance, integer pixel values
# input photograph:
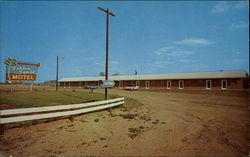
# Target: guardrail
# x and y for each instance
(18, 115)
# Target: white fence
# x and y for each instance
(13, 115)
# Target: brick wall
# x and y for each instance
(190, 84)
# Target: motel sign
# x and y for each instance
(22, 77)
(20, 70)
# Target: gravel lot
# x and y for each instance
(167, 124)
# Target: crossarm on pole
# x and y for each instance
(106, 11)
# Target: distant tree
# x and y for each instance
(116, 74)
(102, 74)
(50, 82)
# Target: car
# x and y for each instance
(91, 86)
(131, 87)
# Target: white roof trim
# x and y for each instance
(194, 75)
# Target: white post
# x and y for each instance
(11, 86)
(31, 87)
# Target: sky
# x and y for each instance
(154, 37)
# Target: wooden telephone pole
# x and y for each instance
(107, 45)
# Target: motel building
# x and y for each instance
(219, 80)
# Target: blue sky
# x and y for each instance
(156, 37)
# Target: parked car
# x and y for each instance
(131, 87)
(91, 86)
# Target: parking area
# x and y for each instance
(173, 124)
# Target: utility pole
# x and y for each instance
(57, 67)
(107, 45)
(56, 73)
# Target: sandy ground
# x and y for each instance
(168, 124)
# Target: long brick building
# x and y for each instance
(220, 80)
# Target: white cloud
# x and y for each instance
(172, 52)
(195, 41)
(163, 50)
(242, 5)
(220, 7)
(238, 25)
(161, 64)
(237, 61)
(99, 63)
(179, 53)
(169, 56)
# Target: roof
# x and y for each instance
(193, 75)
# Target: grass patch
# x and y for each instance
(45, 98)
(9, 100)
(23, 87)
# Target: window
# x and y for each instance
(208, 84)
(168, 84)
(120, 84)
(223, 84)
(147, 84)
(200, 81)
(181, 84)
(232, 82)
(137, 83)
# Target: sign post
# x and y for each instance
(11, 87)
(31, 86)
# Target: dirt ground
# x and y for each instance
(168, 124)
